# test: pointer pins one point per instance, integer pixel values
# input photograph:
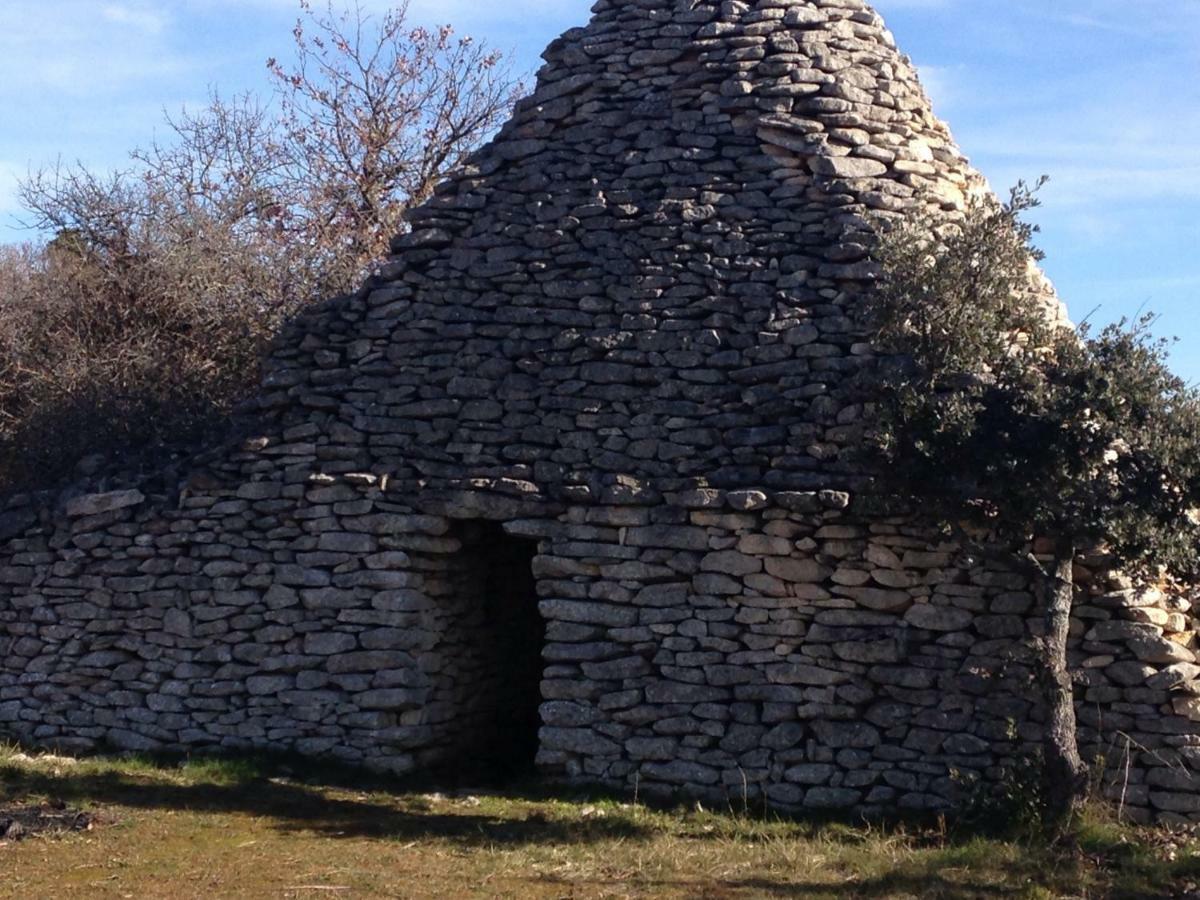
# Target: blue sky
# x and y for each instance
(1102, 95)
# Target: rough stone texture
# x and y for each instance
(625, 332)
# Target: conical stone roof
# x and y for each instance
(645, 283)
(648, 276)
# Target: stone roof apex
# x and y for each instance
(651, 275)
(791, 12)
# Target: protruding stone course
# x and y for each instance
(627, 331)
(94, 504)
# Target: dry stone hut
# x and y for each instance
(568, 480)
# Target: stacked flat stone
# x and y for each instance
(651, 272)
(627, 331)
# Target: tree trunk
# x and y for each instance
(1065, 774)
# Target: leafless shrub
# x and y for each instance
(142, 322)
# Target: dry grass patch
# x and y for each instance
(241, 828)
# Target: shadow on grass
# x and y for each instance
(954, 864)
(928, 886)
(945, 876)
(294, 792)
(295, 806)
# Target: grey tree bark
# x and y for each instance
(1064, 771)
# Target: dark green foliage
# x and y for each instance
(1026, 438)
(1000, 417)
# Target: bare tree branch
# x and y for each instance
(144, 318)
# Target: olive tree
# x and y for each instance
(1019, 433)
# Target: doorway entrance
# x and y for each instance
(497, 653)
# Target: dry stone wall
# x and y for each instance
(737, 645)
(621, 346)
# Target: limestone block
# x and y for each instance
(1154, 649)
(1174, 676)
(938, 618)
(810, 773)
(578, 740)
(795, 569)
(1130, 672)
(1171, 801)
(678, 537)
(681, 772)
(391, 699)
(731, 562)
(878, 599)
(1117, 630)
(95, 504)
(846, 734)
(588, 613)
(329, 643)
(801, 673)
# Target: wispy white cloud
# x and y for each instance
(447, 10)
(1164, 18)
(1092, 22)
(140, 17)
(887, 6)
(9, 175)
(457, 10)
(71, 48)
(1112, 155)
(1093, 93)
(1156, 283)
(943, 85)
(10, 207)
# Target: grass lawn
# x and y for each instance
(206, 828)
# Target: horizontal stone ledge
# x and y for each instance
(94, 504)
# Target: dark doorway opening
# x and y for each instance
(501, 638)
